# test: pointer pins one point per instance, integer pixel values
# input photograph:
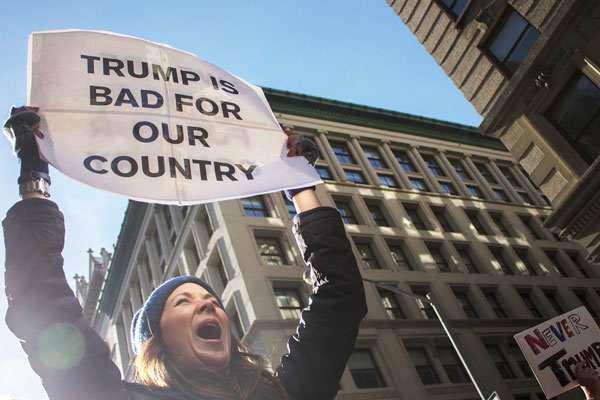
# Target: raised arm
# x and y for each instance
(72, 360)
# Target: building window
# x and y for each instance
(423, 365)
(346, 212)
(525, 198)
(453, 367)
(581, 295)
(270, 251)
(454, 7)
(400, 258)
(530, 226)
(492, 300)
(500, 361)
(367, 256)
(474, 219)
(391, 304)
(323, 172)
(433, 165)
(342, 153)
(388, 180)
(574, 259)
(404, 161)
(236, 325)
(425, 307)
(289, 302)
(438, 258)
(419, 184)
(485, 173)
(526, 297)
(468, 261)
(576, 114)
(355, 176)
(519, 358)
(291, 209)
(500, 195)
(374, 157)
(475, 192)
(415, 218)
(497, 218)
(552, 255)
(465, 303)
(459, 168)
(508, 175)
(500, 260)
(522, 254)
(513, 40)
(364, 371)
(444, 223)
(254, 206)
(448, 188)
(552, 295)
(377, 215)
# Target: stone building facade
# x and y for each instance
(429, 206)
(531, 69)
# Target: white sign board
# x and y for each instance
(153, 123)
(553, 349)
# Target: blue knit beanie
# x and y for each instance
(147, 320)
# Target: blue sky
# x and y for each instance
(352, 50)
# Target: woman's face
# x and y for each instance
(195, 329)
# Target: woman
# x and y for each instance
(181, 335)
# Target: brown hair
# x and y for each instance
(246, 371)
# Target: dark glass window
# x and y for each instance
(531, 271)
(519, 358)
(404, 161)
(423, 365)
(512, 41)
(573, 257)
(342, 153)
(508, 175)
(497, 218)
(364, 371)
(433, 166)
(465, 304)
(495, 304)
(468, 261)
(390, 303)
(377, 215)
(419, 184)
(415, 218)
(500, 194)
(500, 361)
(346, 212)
(388, 180)
(460, 170)
(501, 260)
(552, 255)
(323, 172)
(355, 176)
(270, 251)
(254, 206)
(530, 226)
(551, 296)
(475, 192)
(485, 173)
(438, 258)
(453, 367)
(576, 113)
(425, 307)
(581, 295)
(400, 258)
(289, 302)
(474, 219)
(525, 198)
(455, 7)
(289, 206)
(526, 297)
(448, 188)
(374, 157)
(444, 223)
(367, 256)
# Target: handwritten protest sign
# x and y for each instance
(153, 123)
(554, 348)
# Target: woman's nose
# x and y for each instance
(205, 306)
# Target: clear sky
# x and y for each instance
(351, 50)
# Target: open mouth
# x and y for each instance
(209, 331)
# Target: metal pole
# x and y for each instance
(442, 318)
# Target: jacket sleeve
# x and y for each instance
(325, 337)
(72, 360)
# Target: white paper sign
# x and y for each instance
(554, 348)
(152, 123)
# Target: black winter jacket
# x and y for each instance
(73, 360)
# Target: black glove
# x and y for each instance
(306, 147)
(19, 131)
